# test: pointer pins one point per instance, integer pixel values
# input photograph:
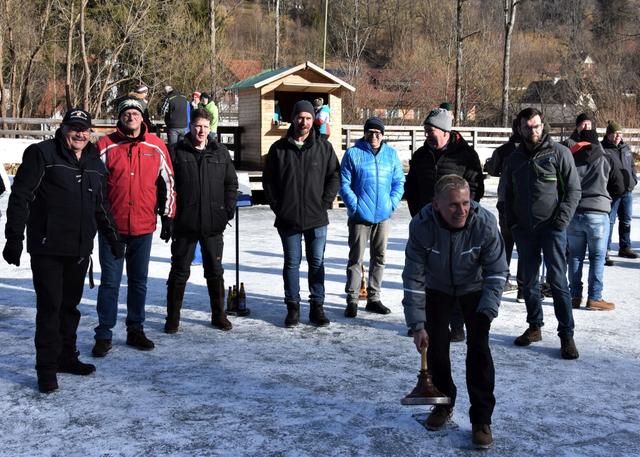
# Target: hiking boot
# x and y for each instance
(439, 416)
(75, 366)
(376, 306)
(215, 287)
(481, 436)
(221, 322)
(607, 260)
(530, 335)
(568, 349)
(47, 382)
(520, 296)
(351, 310)
(293, 314)
(175, 297)
(316, 315)
(600, 305)
(576, 302)
(456, 335)
(101, 348)
(137, 339)
(627, 253)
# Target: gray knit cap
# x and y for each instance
(439, 118)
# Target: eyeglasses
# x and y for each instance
(374, 133)
(532, 127)
(79, 129)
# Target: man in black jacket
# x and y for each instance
(444, 152)
(59, 193)
(543, 191)
(206, 191)
(176, 111)
(301, 179)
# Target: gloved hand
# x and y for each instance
(12, 251)
(117, 249)
(167, 229)
(231, 212)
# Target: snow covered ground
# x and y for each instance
(261, 389)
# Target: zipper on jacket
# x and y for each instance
(130, 154)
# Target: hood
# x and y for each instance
(585, 152)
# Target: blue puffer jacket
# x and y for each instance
(371, 184)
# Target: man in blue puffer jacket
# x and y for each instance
(371, 186)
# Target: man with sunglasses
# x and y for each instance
(372, 184)
(59, 194)
(542, 193)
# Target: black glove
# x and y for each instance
(167, 229)
(231, 212)
(117, 249)
(12, 251)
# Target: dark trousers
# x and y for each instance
(507, 236)
(58, 282)
(479, 363)
(183, 250)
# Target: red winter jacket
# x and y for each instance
(140, 176)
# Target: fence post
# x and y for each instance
(474, 132)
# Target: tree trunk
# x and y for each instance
(509, 21)
(459, 39)
(276, 53)
(2, 90)
(85, 60)
(69, 63)
(212, 42)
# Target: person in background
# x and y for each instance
(195, 101)
(209, 105)
(141, 93)
(455, 255)
(322, 117)
(176, 111)
(59, 194)
(204, 173)
(584, 121)
(372, 184)
(140, 184)
(622, 205)
(301, 179)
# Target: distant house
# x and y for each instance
(233, 71)
(559, 102)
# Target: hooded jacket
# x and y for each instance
(206, 188)
(543, 186)
(623, 161)
(371, 184)
(140, 182)
(61, 200)
(596, 177)
(426, 168)
(300, 184)
(455, 262)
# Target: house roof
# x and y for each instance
(269, 76)
(242, 69)
(553, 91)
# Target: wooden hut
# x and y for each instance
(261, 96)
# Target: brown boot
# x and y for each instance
(216, 297)
(600, 305)
(481, 436)
(175, 296)
(530, 335)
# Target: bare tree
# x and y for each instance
(460, 37)
(3, 19)
(510, 7)
(83, 52)
(213, 58)
(276, 53)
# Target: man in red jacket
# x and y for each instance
(139, 184)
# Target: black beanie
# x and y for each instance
(589, 135)
(374, 122)
(303, 106)
(583, 117)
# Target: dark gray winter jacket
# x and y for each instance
(455, 262)
(543, 187)
(623, 160)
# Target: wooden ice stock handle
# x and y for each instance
(423, 358)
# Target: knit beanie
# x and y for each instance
(590, 136)
(129, 103)
(445, 105)
(613, 127)
(303, 106)
(440, 119)
(374, 122)
(583, 117)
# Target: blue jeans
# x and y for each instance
(622, 207)
(553, 244)
(315, 241)
(587, 229)
(174, 135)
(137, 253)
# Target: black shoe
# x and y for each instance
(75, 366)
(47, 382)
(607, 260)
(351, 309)
(568, 349)
(101, 348)
(456, 335)
(520, 296)
(376, 306)
(627, 253)
(293, 314)
(317, 317)
(137, 339)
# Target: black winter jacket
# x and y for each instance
(61, 200)
(300, 184)
(543, 186)
(206, 188)
(459, 159)
(623, 161)
(176, 108)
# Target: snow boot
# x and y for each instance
(47, 382)
(376, 306)
(352, 309)
(137, 339)
(440, 415)
(627, 253)
(293, 314)
(175, 296)
(316, 315)
(568, 349)
(101, 348)
(216, 297)
(481, 436)
(71, 364)
(530, 335)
